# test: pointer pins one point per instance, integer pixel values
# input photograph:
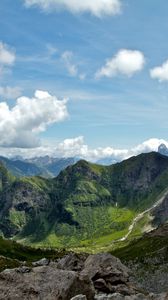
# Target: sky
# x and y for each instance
(83, 79)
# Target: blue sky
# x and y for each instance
(60, 51)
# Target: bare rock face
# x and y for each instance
(72, 262)
(41, 262)
(79, 297)
(118, 296)
(44, 283)
(108, 274)
(105, 264)
(74, 277)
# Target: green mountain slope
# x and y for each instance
(150, 245)
(21, 168)
(45, 166)
(86, 206)
(12, 254)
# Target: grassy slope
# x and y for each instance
(89, 205)
(100, 226)
(12, 253)
(143, 248)
(90, 193)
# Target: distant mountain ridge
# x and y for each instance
(48, 166)
(44, 166)
(86, 204)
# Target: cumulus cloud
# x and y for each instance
(76, 147)
(95, 7)
(125, 62)
(9, 92)
(73, 147)
(21, 124)
(161, 72)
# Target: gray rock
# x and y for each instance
(72, 262)
(125, 290)
(23, 269)
(137, 297)
(44, 283)
(41, 262)
(101, 297)
(118, 296)
(162, 296)
(108, 274)
(79, 297)
(105, 264)
(102, 273)
(115, 296)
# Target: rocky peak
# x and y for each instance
(162, 149)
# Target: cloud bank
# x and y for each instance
(125, 62)
(76, 147)
(21, 124)
(95, 7)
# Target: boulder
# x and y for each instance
(44, 283)
(41, 262)
(72, 262)
(108, 274)
(106, 265)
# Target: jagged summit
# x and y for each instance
(162, 149)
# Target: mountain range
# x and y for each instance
(48, 167)
(87, 205)
(44, 166)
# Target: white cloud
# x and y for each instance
(7, 57)
(161, 72)
(95, 7)
(125, 62)
(20, 125)
(73, 147)
(76, 147)
(9, 92)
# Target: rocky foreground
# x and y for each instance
(74, 277)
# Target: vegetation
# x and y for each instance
(147, 247)
(86, 206)
(12, 254)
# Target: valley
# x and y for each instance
(49, 226)
(87, 206)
